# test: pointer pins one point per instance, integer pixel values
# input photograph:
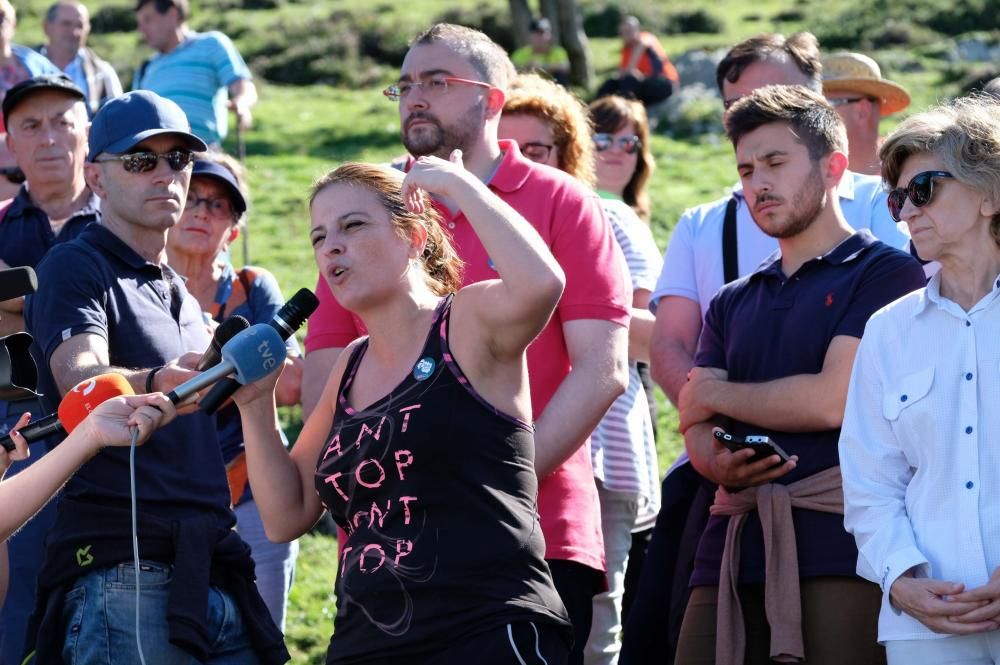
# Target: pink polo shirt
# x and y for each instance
(568, 216)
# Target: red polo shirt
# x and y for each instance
(568, 216)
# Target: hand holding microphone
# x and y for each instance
(86, 398)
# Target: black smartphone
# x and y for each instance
(762, 446)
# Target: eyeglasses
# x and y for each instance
(14, 174)
(843, 101)
(920, 192)
(216, 206)
(537, 152)
(628, 144)
(141, 162)
(435, 86)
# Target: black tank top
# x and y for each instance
(437, 493)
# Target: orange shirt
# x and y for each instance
(654, 61)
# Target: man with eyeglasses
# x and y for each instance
(713, 244)
(853, 83)
(108, 302)
(451, 91)
(47, 133)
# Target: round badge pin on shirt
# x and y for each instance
(423, 369)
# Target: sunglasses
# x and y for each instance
(14, 174)
(920, 191)
(628, 144)
(141, 162)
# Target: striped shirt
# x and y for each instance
(196, 75)
(622, 447)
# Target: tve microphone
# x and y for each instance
(75, 406)
(251, 355)
(288, 319)
(225, 332)
(17, 282)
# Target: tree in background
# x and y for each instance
(567, 30)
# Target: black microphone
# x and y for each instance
(225, 332)
(288, 319)
(251, 355)
(17, 282)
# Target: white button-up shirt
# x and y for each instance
(920, 446)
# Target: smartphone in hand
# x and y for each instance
(762, 446)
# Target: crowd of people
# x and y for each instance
(477, 383)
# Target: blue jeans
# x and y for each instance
(274, 563)
(99, 621)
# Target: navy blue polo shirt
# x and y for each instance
(97, 284)
(767, 326)
(25, 232)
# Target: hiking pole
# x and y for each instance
(241, 155)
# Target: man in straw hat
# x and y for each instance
(853, 83)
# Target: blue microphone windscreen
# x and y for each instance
(255, 352)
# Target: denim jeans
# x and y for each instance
(274, 563)
(99, 621)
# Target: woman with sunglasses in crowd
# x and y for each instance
(198, 249)
(421, 445)
(918, 448)
(550, 126)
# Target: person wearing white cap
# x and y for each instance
(853, 83)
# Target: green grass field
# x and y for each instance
(302, 131)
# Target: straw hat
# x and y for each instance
(854, 72)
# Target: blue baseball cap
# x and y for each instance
(134, 117)
(204, 168)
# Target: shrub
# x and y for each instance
(694, 21)
(113, 19)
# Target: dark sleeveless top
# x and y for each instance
(437, 493)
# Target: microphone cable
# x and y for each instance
(135, 539)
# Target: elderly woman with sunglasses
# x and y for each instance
(551, 126)
(198, 249)
(919, 453)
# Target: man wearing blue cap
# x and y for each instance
(108, 302)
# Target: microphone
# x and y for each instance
(17, 282)
(288, 319)
(225, 332)
(251, 355)
(75, 406)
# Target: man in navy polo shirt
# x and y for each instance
(46, 124)
(107, 302)
(774, 360)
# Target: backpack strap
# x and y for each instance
(237, 297)
(730, 257)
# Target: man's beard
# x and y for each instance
(441, 141)
(807, 204)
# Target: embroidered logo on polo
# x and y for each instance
(492, 265)
(84, 557)
(829, 299)
(423, 369)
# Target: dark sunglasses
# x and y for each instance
(141, 162)
(629, 144)
(920, 192)
(14, 174)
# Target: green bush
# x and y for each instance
(112, 19)
(695, 21)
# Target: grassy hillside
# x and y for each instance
(354, 49)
